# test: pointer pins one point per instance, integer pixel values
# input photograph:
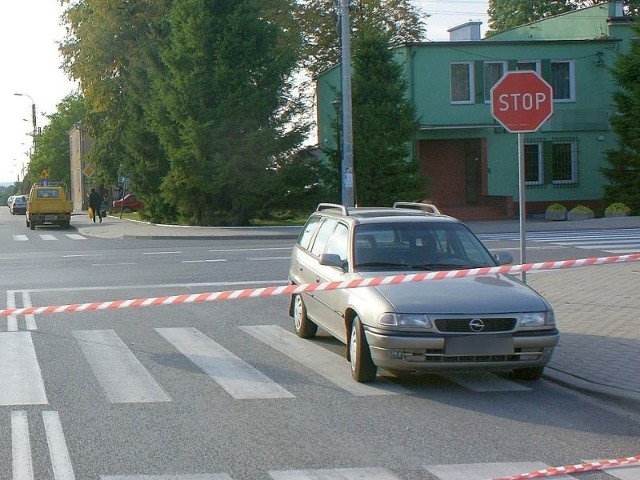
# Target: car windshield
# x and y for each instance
(418, 246)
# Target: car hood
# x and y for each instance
(486, 294)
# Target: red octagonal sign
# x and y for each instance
(521, 101)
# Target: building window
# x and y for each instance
(562, 80)
(461, 82)
(492, 72)
(533, 163)
(564, 161)
(529, 66)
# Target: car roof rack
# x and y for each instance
(326, 206)
(425, 207)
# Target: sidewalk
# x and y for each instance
(597, 308)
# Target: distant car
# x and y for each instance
(130, 203)
(9, 200)
(488, 323)
(18, 205)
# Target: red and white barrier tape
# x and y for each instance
(569, 469)
(294, 289)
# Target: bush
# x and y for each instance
(617, 208)
(581, 209)
(556, 207)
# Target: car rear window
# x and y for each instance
(48, 193)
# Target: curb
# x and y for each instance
(579, 383)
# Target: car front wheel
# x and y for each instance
(363, 369)
(305, 328)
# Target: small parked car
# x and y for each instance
(18, 205)
(130, 203)
(490, 323)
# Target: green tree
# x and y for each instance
(319, 23)
(384, 124)
(222, 114)
(506, 14)
(53, 152)
(623, 170)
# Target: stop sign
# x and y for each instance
(521, 101)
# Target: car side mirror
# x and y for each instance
(332, 260)
(503, 258)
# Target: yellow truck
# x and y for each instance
(49, 204)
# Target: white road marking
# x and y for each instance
(22, 462)
(328, 364)
(482, 471)
(162, 253)
(259, 249)
(12, 320)
(259, 259)
(628, 472)
(21, 238)
(485, 382)
(75, 236)
(122, 377)
(202, 476)
(30, 318)
(21, 381)
(205, 261)
(236, 376)
(60, 459)
(48, 237)
(335, 474)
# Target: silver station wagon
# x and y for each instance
(490, 323)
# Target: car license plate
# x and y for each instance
(479, 345)
(48, 218)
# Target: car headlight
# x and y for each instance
(538, 319)
(406, 320)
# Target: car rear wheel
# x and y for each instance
(305, 328)
(363, 369)
(532, 373)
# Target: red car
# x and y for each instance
(130, 203)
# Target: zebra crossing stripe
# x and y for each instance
(22, 463)
(334, 474)
(483, 471)
(205, 476)
(120, 374)
(236, 376)
(18, 361)
(331, 366)
(60, 459)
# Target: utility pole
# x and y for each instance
(348, 174)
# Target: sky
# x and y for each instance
(31, 31)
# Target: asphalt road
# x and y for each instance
(225, 390)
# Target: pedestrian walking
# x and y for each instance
(95, 203)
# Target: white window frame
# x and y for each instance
(573, 162)
(470, 80)
(540, 162)
(572, 81)
(487, 85)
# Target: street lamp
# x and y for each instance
(33, 116)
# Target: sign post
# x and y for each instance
(521, 101)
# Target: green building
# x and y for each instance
(472, 162)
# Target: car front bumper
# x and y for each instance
(438, 353)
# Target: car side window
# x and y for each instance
(307, 232)
(322, 237)
(337, 243)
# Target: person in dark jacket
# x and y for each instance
(95, 202)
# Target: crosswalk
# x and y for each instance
(47, 237)
(618, 241)
(122, 378)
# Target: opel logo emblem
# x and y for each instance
(476, 325)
